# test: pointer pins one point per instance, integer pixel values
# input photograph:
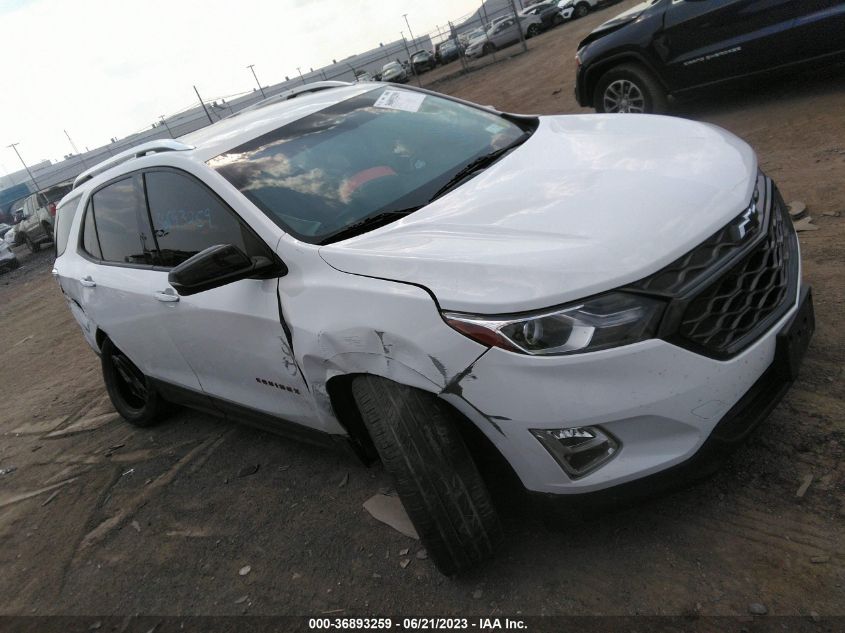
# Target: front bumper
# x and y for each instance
(8, 259)
(670, 408)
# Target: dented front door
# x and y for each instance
(233, 339)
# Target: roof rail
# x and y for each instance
(151, 147)
(294, 92)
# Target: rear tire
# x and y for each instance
(629, 88)
(437, 480)
(131, 392)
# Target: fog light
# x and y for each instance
(579, 450)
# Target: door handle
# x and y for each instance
(87, 282)
(166, 296)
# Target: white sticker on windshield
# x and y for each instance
(400, 100)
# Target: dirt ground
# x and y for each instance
(97, 517)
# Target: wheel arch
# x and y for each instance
(100, 338)
(339, 389)
(596, 71)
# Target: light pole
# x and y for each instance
(410, 32)
(252, 68)
(14, 146)
(163, 120)
(73, 145)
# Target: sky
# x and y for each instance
(100, 69)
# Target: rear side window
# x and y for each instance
(64, 218)
(188, 218)
(115, 213)
(57, 193)
(90, 244)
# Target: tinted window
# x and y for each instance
(54, 194)
(188, 218)
(64, 218)
(385, 150)
(116, 208)
(90, 244)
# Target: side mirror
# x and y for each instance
(218, 266)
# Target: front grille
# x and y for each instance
(700, 261)
(744, 301)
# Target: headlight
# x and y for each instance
(604, 321)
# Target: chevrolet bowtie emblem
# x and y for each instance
(744, 222)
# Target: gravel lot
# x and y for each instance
(101, 518)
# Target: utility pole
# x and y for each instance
(405, 42)
(252, 68)
(163, 120)
(76, 151)
(408, 24)
(487, 24)
(410, 63)
(202, 103)
(14, 146)
(519, 24)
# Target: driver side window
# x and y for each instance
(187, 218)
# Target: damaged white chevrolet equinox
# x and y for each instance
(604, 300)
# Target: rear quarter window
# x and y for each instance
(65, 214)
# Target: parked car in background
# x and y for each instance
(505, 33)
(8, 260)
(415, 277)
(466, 38)
(572, 9)
(39, 212)
(660, 49)
(394, 72)
(548, 12)
(421, 61)
(447, 52)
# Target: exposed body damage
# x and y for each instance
(361, 338)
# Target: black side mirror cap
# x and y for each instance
(218, 266)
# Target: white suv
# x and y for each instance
(598, 298)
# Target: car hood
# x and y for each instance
(588, 203)
(615, 23)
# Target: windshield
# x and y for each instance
(388, 149)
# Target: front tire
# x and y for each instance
(437, 480)
(629, 89)
(131, 392)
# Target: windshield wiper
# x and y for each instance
(485, 160)
(368, 223)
